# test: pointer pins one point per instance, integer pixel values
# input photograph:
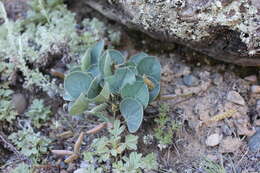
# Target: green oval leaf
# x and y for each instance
(150, 66)
(76, 83)
(131, 66)
(98, 93)
(121, 77)
(86, 60)
(79, 106)
(132, 111)
(105, 65)
(94, 70)
(138, 90)
(75, 68)
(153, 93)
(137, 57)
(96, 51)
(116, 56)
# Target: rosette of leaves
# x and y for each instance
(107, 79)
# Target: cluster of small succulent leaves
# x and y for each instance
(38, 112)
(109, 153)
(31, 144)
(106, 78)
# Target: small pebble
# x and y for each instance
(254, 142)
(213, 140)
(235, 97)
(258, 105)
(226, 130)
(217, 79)
(19, 102)
(190, 80)
(252, 79)
(255, 89)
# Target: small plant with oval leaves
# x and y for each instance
(116, 85)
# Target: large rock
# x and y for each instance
(227, 30)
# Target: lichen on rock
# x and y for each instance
(193, 20)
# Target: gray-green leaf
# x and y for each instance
(137, 57)
(80, 105)
(98, 93)
(150, 66)
(86, 60)
(76, 83)
(132, 111)
(96, 51)
(116, 56)
(153, 93)
(138, 90)
(121, 77)
(105, 65)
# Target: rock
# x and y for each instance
(258, 105)
(19, 102)
(254, 142)
(181, 70)
(190, 80)
(230, 145)
(224, 30)
(235, 97)
(226, 130)
(217, 79)
(63, 171)
(252, 79)
(255, 89)
(213, 140)
(80, 170)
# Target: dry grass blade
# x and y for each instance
(65, 135)
(97, 128)
(71, 158)
(62, 152)
(57, 74)
(78, 143)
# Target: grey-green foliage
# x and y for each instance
(166, 127)
(38, 112)
(22, 168)
(30, 143)
(7, 111)
(105, 76)
(210, 166)
(48, 28)
(109, 149)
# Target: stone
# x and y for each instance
(251, 79)
(217, 78)
(235, 97)
(254, 142)
(190, 80)
(230, 145)
(255, 89)
(19, 102)
(213, 140)
(190, 24)
(257, 107)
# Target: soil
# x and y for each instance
(194, 103)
